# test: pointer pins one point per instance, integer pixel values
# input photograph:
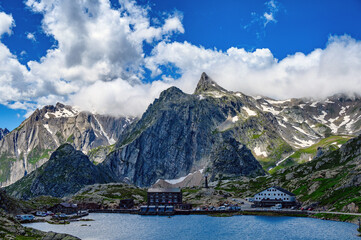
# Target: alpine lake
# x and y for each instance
(112, 226)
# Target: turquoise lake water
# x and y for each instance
(126, 226)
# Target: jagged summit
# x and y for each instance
(206, 84)
(58, 111)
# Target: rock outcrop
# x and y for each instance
(67, 171)
(3, 132)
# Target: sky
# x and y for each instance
(115, 57)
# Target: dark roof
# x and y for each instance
(172, 190)
(284, 190)
(69, 205)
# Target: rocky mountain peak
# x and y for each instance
(58, 111)
(171, 93)
(206, 84)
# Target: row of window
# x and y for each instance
(259, 198)
(274, 194)
(163, 201)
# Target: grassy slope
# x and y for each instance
(330, 180)
(330, 143)
(109, 194)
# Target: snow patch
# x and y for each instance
(277, 101)
(179, 180)
(249, 111)
(110, 140)
(46, 126)
(281, 161)
(303, 143)
(300, 130)
(258, 152)
(258, 97)
(270, 109)
(346, 119)
(281, 124)
(328, 101)
(343, 111)
(235, 119)
(313, 104)
(216, 94)
(321, 118)
(201, 97)
(63, 112)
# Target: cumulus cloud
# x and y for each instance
(321, 73)
(16, 82)
(99, 62)
(6, 23)
(95, 45)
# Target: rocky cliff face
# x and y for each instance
(66, 172)
(29, 146)
(179, 133)
(175, 136)
(3, 132)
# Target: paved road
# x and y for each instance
(340, 213)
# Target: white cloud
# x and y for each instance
(262, 20)
(96, 45)
(6, 23)
(321, 73)
(99, 61)
(273, 8)
(31, 36)
(269, 18)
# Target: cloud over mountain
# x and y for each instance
(100, 61)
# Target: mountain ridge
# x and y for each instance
(66, 172)
(273, 130)
(29, 146)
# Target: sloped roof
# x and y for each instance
(173, 190)
(284, 190)
(69, 205)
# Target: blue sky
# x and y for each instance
(204, 29)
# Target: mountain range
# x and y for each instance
(30, 145)
(213, 131)
(181, 133)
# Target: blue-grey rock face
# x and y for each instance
(177, 135)
(3, 132)
(66, 172)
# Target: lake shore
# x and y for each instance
(132, 226)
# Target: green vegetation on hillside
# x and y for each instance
(331, 180)
(108, 194)
(5, 163)
(37, 154)
(302, 155)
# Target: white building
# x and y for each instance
(274, 195)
